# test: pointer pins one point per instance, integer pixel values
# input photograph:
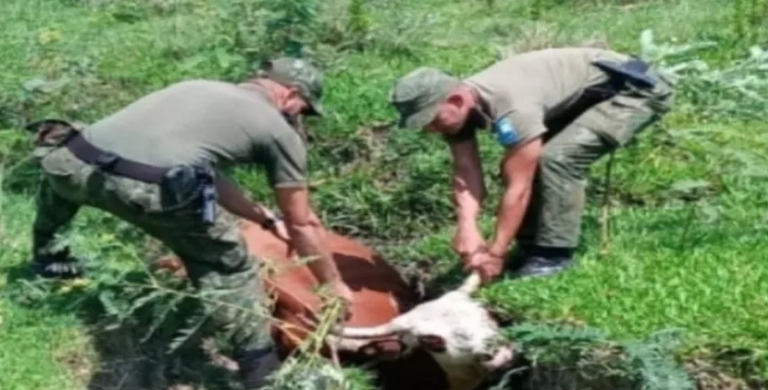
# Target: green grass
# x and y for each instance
(695, 265)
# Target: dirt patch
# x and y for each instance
(78, 362)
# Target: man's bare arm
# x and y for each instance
(468, 185)
(234, 201)
(306, 232)
(518, 167)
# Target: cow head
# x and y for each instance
(460, 334)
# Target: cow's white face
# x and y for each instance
(457, 331)
(461, 336)
(453, 325)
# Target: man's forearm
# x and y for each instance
(234, 201)
(468, 196)
(314, 220)
(306, 232)
(308, 241)
(512, 208)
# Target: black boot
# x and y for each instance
(256, 365)
(517, 258)
(60, 265)
(545, 261)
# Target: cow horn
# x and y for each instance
(388, 329)
(338, 338)
(471, 284)
(345, 344)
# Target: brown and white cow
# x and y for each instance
(449, 343)
(379, 295)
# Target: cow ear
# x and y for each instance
(432, 343)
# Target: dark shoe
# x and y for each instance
(544, 266)
(60, 265)
(516, 259)
(255, 366)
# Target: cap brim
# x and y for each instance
(315, 108)
(420, 119)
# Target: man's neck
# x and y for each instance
(266, 87)
(272, 91)
(481, 105)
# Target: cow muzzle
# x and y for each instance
(503, 357)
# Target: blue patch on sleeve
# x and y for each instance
(506, 134)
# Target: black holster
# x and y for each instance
(185, 184)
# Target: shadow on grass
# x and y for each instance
(126, 358)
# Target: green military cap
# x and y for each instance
(298, 73)
(417, 94)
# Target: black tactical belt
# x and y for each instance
(112, 163)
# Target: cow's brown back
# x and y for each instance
(379, 292)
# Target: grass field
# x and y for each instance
(688, 215)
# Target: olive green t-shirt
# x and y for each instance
(531, 88)
(192, 121)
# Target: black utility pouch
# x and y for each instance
(633, 72)
(180, 187)
(186, 185)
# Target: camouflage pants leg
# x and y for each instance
(226, 275)
(216, 259)
(554, 216)
(215, 256)
(54, 212)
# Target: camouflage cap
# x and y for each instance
(417, 94)
(298, 73)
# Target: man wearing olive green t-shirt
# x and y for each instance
(157, 163)
(555, 112)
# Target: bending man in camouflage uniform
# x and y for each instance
(191, 127)
(555, 112)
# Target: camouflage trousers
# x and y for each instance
(215, 256)
(554, 215)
